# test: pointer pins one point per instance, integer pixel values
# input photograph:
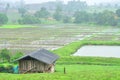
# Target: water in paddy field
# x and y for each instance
(99, 51)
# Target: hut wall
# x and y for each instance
(34, 66)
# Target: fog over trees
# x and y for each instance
(74, 11)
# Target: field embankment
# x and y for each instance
(71, 48)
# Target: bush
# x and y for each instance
(1, 68)
(5, 55)
(16, 56)
(28, 19)
(67, 19)
(9, 69)
(6, 69)
(3, 19)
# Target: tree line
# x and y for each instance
(100, 18)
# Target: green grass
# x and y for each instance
(74, 46)
(73, 72)
(16, 26)
(78, 67)
(89, 61)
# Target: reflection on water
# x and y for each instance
(99, 51)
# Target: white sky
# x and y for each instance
(88, 1)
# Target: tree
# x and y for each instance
(67, 19)
(3, 19)
(75, 5)
(58, 13)
(81, 17)
(5, 55)
(22, 11)
(118, 12)
(7, 7)
(106, 18)
(17, 55)
(43, 13)
(117, 17)
(28, 19)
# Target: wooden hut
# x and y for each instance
(41, 61)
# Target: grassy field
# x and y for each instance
(16, 26)
(73, 72)
(89, 61)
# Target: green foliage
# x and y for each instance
(67, 19)
(3, 19)
(7, 7)
(58, 13)
(118, 12)
(106, 18)
(74, 5)
(5, 55)
(28, 19)
(17, 55)
(101, 18)
(81, 17)
(22, 11)
(43, 13)
(6, 68)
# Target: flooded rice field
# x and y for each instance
(99, 51)
(53, 36)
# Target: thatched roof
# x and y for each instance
(42, 55)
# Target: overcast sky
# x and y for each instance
(88, 1)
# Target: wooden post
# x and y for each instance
(64, 70)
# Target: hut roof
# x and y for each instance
(42, 55)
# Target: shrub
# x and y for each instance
(28, 19)
(6, 69)
(9, 69)
(5, 55)
(1, 68)
(17, 55)
(3, 19)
